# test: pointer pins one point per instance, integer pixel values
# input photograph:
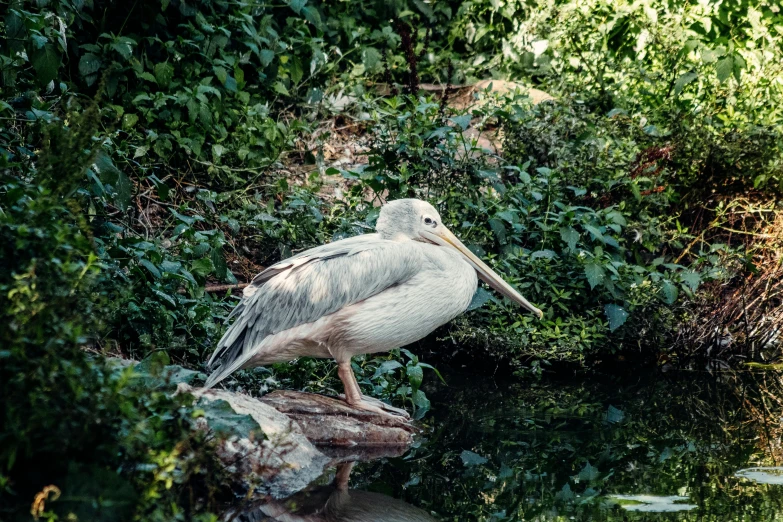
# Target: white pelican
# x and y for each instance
(364, 294)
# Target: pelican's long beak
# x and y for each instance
(445, 238)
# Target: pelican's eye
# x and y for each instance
(430, 221)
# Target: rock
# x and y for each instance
(259, 443)
(327, 421)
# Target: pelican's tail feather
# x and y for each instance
(229, 359)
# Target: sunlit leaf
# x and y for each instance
(472, 459)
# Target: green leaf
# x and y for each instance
(297, 5)
(164, 72)
(295, 70)
(415, 376)
(111, 176)
(266, 56)
(684, 80)
(220, 263)
(597, 235)
(386, 367)
(89, 64)
(589, 473)
(420, 400)
(565, 494)
(201, 267)
(129, 120)
(616, 315)
(312, 15)
(371, 59)
(462, 121)
(595, 274)
(724, 68)
(480, 298)
(280, 88)
(149, 266)
(171, 267)
(614, 415)
(472, 459)
(569, 236)
(669, 292)
(692, 279)
(46, 62)
(499, 229)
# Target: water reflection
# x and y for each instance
(763, 475)
(502, 451)
(336, 502)
(665, 447)
(653, 503)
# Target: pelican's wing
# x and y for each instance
(308, 286)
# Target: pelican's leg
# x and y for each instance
(354, 397)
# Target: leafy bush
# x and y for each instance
(71, 422)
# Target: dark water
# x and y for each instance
(655, 447)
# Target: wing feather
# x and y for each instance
(308, 286)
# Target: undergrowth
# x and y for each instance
(217, 147)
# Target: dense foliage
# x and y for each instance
(153, 151)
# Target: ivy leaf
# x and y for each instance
(724, 68)
(565, 494)
(595, 275)
(589, 473)
(616, 315)
(46, 62)
(614, 415)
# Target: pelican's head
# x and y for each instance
(413, 219)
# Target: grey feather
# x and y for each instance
(308, 286)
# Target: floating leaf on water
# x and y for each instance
(652, 503)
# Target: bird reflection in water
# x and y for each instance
(337, 503)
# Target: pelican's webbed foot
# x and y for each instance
(354, 397)
(386, 407)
